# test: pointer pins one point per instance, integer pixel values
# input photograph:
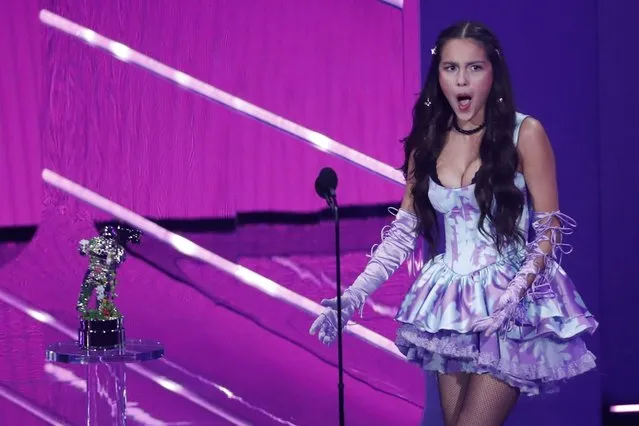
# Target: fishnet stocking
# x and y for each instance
(488, 402)
(452, 391)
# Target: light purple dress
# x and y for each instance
(461, 285)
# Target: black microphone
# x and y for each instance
(326, 184)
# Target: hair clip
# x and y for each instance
(433, 51)
(427, 103)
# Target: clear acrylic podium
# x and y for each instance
(105, 373)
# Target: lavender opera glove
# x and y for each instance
(535, 274)
(398, 242)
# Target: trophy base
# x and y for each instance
(101, 334)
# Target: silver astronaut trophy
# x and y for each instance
(101, 325)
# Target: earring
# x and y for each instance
(427, 103)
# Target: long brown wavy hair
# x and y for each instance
(500, 201)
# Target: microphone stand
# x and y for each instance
(331, 199)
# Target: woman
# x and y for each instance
(494, 315)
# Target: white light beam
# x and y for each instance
(126, 54)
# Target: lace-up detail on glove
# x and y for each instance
(543, 257)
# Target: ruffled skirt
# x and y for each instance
(540, 350)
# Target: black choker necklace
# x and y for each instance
(468, 132)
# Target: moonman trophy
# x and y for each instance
(101, 345)
(101, 327)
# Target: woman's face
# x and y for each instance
(466, 77)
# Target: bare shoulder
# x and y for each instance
(534, 145)
(538, 163)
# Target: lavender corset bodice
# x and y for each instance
(467, 249)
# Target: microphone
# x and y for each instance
(326, 184)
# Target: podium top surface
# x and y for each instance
(133, 351)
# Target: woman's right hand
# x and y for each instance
(326, 322)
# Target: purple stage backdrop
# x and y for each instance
(21, 77)
(618, 153)
(165, 153)
(346, 69)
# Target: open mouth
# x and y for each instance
(463, 101)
